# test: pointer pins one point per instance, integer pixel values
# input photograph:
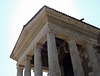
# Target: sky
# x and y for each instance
(14, 14)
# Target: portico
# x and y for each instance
(58, 44)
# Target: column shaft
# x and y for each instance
(37, 61)
(52, 55)
(19, 72)
(27, 71)
(77, 66)
(93, 60)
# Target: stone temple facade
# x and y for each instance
(56, 43)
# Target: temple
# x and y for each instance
(58, 44)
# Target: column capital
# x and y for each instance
(69, 39)
(27, 71)
(88, 44)
(72, 38)
(52, 55)
(37, 60)
(49, 31)
(19, 66)
(75, 58)
(28, 57)
(91, 46)
(38, 46)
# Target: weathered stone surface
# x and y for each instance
(37, 60)
(27, 71)
(93, 60)
(19, 72)
(77, 66)
(54, 69)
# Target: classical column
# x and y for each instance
(37, 60)
(93, 60)
(77, 66)
(19, 70)
(54, 69)
(27, 71)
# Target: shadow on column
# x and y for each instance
(67, 65)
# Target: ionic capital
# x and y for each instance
(70, 38)
(28, 57)
(88, 44)
(91, 46)
(49, 31)
(19, 66)
(38, 46)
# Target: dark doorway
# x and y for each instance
(67, 65)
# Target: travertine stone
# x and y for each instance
(77, 66)
(19, 70)
(27, 71)
(93, 60)
(52, 55)
(91, 74)
(37, 60)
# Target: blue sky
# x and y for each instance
(6, 64)
(89, 10)
(16, 13)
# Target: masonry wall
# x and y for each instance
(85, 61)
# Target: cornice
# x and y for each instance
(79, 26)
(86, 31)
(28, 33)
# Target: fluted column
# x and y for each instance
(93, 60)
(37, 60)
(19, 70)
(27, 71)
(52, 55)
(77, 66)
